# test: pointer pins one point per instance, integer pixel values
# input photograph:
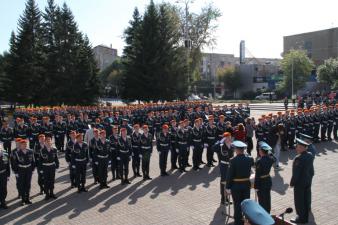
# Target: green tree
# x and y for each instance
(298, 62)
(25, 70)
(111, 79)
(230, 77)
(153, 69)
(328, 72)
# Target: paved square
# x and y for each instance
(182, 199)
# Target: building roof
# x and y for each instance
(312, 32)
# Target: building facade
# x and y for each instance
(319, 45)
(104, 56)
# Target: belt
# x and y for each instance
(2, 171)
(197, 140)
(80, 160)
(102, 157)
(164, 145)
(182, 143)
(135, 146)
(211, 138)
(241, 179)
(48, 164)
(124, 151)
(224, 162)
(145, 147)
(265, 176)
(24, 166)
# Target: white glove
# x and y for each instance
(109, 162)
(118, 158)
(159, 152)
(289, 132)
(140, 155)
(206, 145)
(191, 147)
(41, 171)
(130, 157)
(228, 191)
(96, 163)
(16, 175)
(90, 160)
(73, 167)
(177, 150)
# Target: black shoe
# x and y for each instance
(19, 196)
(214, 160)
(4, 206)
(188, 165)
(113, 179)
(122, 182)
(162, 174)
(22, 203)
(166, 174)
(28, 202)
(138, 175)
(95, 182)
(84, 189)
(72, 186)
(53, 196)
(149, 178)
(202, 162)
(183, 171)
(79, 190)
(174, 167)
(126, 181)
(297, 220)
(47, 197)
(329, 139)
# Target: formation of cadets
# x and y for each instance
(115, 136)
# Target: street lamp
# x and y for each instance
(187, 41)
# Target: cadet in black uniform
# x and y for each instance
(331, 119)
(50, 162)
(291, 130)
(163, 147)
(102, 157)
(68, 157)
(324, 122)
(124, 155)
(197, 144)
(21, 130)
(136, 145)
(24, 167)
(335, 128)
(301, 180)
(210, 137)
(92, 149)
(225, 152)
(238, 179)
(182, 146)
(114, 152)
(33, 133)
(263, 180)
(173, 145)
(60, 129)
(38, 161)
(146, 151)
(80, 158)
(4, 176)
(6, 136)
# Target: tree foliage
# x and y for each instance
(230, 77)
(328, 72)
(152, 59)
(50, 61)
(299, 62)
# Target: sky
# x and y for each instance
(261, 23)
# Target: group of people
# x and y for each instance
(114, 136)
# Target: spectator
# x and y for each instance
(249, 127)
(240, 133)
(286, 103)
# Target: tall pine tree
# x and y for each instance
(25, 71)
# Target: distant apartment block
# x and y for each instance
(319, 45)
(104, 56)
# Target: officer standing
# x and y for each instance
(335, 127)
(263, 180)
(136, 145)
(92, 149)
(50, 162)
(225, 152)
(146, 151)
(38, 161)
(68, 157)
(210, 138)
(23, 168)
(60, 130)
(80, 158)
(163, 147)
(4, 177)
(182, 146)
(102, 157)
(13, 163)
(173, 145)
(197, 144)
(238, 179)
(301, 180)
(114, 152)
(6, 136)
(124, 155)
(33, 133)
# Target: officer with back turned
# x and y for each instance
(163, 147)
(301, 180)
(238, 179)
(263, 180)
